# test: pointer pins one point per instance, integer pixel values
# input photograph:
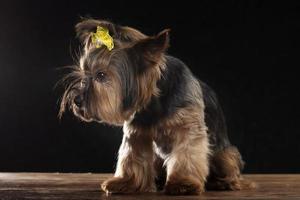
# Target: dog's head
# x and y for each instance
(110, 85)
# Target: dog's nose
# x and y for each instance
(78, 101)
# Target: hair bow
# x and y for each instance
(102, 37)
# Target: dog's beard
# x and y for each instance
(73, 82)
(83, 112)
(91, 109)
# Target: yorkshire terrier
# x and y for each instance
(174, 131)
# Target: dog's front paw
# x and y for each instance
(183, 187)
(118, 185)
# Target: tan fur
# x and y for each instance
(109, 102)
(135, 172)
(147, 87)
(187, 161)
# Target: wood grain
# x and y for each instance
(71, 186)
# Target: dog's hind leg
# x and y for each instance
(225, 171)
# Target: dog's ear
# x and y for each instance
(154, 46)
(151, 49)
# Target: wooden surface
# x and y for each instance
(87, 186)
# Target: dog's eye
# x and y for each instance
(100, 77)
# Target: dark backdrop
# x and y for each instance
(248, 51)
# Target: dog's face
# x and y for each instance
(109, 86)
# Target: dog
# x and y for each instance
(174, 131)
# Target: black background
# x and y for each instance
(248, 51)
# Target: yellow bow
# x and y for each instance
(102, 37)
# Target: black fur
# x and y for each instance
(214, 119)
